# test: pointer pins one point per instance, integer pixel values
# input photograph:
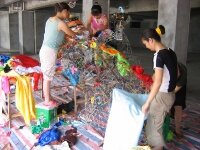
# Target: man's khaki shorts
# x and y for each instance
(159, 107)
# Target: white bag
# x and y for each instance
(125, 121)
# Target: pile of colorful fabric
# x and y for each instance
(22, 68)
(23, 65)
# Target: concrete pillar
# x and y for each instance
(87, 5)
(26, 32)
(175, 16)
(4, 30)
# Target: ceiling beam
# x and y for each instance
(7, 2)
(35, 4)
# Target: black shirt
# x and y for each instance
(166, 59)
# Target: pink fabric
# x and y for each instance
(98, 24)
(5, 85)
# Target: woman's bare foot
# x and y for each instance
(50, 103)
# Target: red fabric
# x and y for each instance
(146, 79)
(36, 77)
(27, 61)
(137, 69)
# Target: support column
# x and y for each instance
(175, 16)
(4, 30)
(87, 5)
(26, 32)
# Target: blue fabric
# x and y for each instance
(52, 37)
(4, 58)
(125, 121)
(73, 78)
(50, 135)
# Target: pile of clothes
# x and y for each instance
(19, 70)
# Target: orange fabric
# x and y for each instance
(109, 50)
(74, 23)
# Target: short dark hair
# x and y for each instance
(152, 33)
(59, 7)
(96, 10)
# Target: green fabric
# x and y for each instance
(167, 133)
(122, 65)
(1, 68)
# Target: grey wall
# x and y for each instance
(28, 32)
(148, 5)
(139, 5)
(134, 34)
(41, 17)
(194, 34)
(5, 32)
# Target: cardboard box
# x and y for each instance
(46, 115)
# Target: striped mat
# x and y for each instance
(90, 139)
(91, 136)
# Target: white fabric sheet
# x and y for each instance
(125, 121)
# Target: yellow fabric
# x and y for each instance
(24, 99)
(11, 73)
(93, 44)
(25, 102)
